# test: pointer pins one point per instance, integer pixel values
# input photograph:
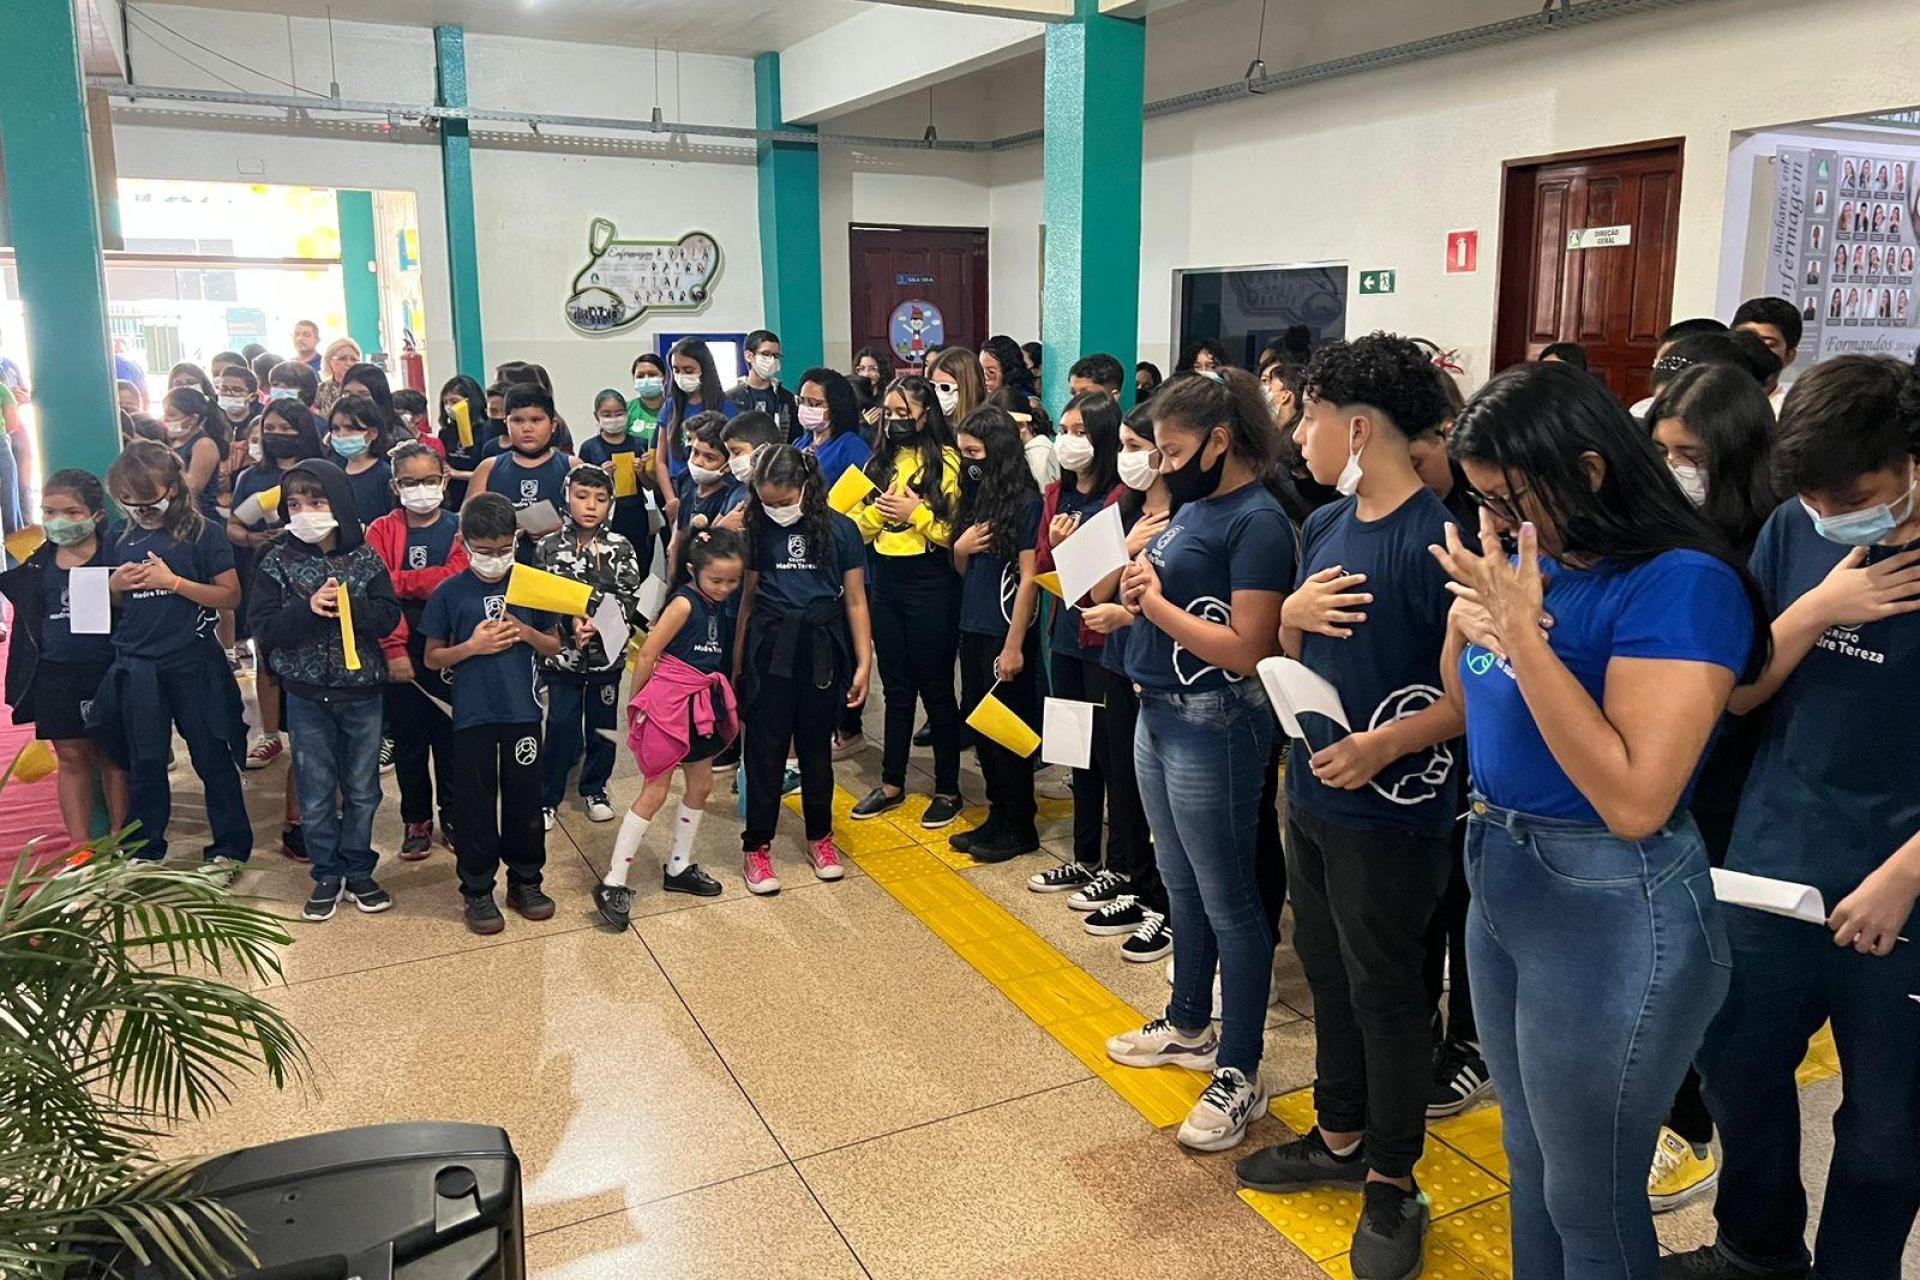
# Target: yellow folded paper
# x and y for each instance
(462, 422)
(34, 762)
(269, 500)
(624, 485)
(847, 492)
(1051, 581)
(349, 652)
(994, 719)
(22, 543)
(533, 588)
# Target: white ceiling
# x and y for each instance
(739, 27)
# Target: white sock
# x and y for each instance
(683, 832)
(633, 829)
(1342, 1152)
(793, 764)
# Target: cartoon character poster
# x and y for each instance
(915, 325)
(626, 280)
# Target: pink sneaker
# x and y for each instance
(758, 869)
(826, 859)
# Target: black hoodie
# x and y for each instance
(304, 649)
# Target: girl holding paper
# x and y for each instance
(463, 397)
(624, 458)
(54, 670)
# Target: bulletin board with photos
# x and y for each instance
(1843, 248)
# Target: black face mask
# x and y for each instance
(971, 474)
(532, 451)
(279, 447)
(901, 430)
(1193, 482)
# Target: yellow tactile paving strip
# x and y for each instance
(1464, 1170)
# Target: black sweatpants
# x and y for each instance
(790, 710)
(1009, 778)
(496, 806)
(1362, 901)
(915, 606)
(1085, 680)
(422, 745)
(1269, 851)
(1446, 970)
(1129, 841)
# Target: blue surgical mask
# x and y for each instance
(1866, 527)
(283, 393)
(650, 388)
(348, 446)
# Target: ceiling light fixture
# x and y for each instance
(932, 135)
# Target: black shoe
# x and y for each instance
(1153, 939)
(693, 880)
(1460, 1078)
(483, 915)
(1007, 843)
(877, 802)
(943, 810)
(923, 736)
(965, 841)
(615, 902)
(386, 755)
(324, 898)
(1711, 1262)
(1393, 1225)
(293, 842)
(529, 901)
(1302, 1163)
(1066, 877)
(368, 896)
(1123, 915)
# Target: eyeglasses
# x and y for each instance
(1502, 505)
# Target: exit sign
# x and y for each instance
(1376, 282)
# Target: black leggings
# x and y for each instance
(1129, 843)
(1447, 948)
(915, 606)
(790, 710)
(1085, 680)
(1008, 777)
(422, 745)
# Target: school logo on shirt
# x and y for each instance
(527, 750)
(1186, 667)
(529, 490)
(608, 693)
(797, 547)
(1423, 775)
(1009, 591)
(496, 607)
(416, 557)
(1845, 641)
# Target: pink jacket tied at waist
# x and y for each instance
(657, 722)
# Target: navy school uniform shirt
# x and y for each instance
(1239, 541)
(1833, 791)
(1066, 619)
(524, 486)
(372, 491)
(492, 688)
(1388, 669)
(795, 574)
(209, 499)
(705, 643)
(156, 624)
(729, 495)
(252, 482)
(57, 641)
(988, 591)
(1680, 606)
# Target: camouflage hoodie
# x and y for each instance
(608, 562)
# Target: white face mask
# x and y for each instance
(180, 429)
(1136, 470)
(701, 475)
(283, 393)
(233, 406)
(687, 382)
(1349, 482)
(612, 426)
(785, 517)
(253, 450)
(312, 526)
(1074, 452)
(1692, 481)
(741, 465)
(490, 568)
(423, 497)
(767, 367)
(948, 396)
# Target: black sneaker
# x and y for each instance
(1104, 887)
(1153, 939)
(942, 811)
(877, 802)
(324, 898)
(386, 755)
(1302, 1163)
(1711, 1262)
(965, 841)
(1064, 878)
(1123, 915)
(693, 880)
(615, 902)
(923, 736)
(418, 842)
(1393, 1226)
(1460, 1078)
(529, 901)
(293, 843)
(368, 896)
(1003, 844)
(483, 915)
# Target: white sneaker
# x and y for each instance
(1160, 1043)
(1219, 1120)
(598, 810)
(546, 819)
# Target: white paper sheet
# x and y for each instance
(614, 736)
(1066, 733)
(89, 602)
(611, 623)
(539, 519)
(1096, 549)
(656, 518)
(653, 598)
(1776, 897)
(1294, 688)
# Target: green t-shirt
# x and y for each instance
(643, 424)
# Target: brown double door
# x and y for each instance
(946, 266)
(1614, 301)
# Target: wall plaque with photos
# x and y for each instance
(625, 281)
(1842, 247)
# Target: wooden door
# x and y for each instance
(944, 266)
(1614, 301)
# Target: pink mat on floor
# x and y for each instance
(27, 810)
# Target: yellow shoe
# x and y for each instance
(1679, 1174)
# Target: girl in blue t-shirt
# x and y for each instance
(1593, 668)
(1208, 593)
(200, 436)
(358, 435)
(996, 526)
(695, 389)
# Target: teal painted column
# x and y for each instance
(1090, 296)
(789, 226)
(358, 254)
(56, 238)
(456, 185)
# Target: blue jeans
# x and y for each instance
(570, 708)
(336, 750)
(1199, 758)
(1597, 964)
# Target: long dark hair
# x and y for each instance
(1230, 398)
(374, 379)
(1537, 423)
(1100, 419)
(367, 415)
(934, 438)
(786, 466)
(1731, 416)
(1191, 352)
(199, 375)
(305, 427)
(1006, 491)
(205, 411)
(881, 357)
(1013, 363)
(711, 392)
(843, 410)
(468, 388)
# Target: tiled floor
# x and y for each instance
(844, 1080)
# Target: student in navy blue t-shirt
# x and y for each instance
(1369, 810)
(1208, 592)
(489, 647)
(1593, 667)
(1831, 801)
(611, 441)
(532, 470)
(996, 526)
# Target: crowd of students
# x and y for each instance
(1585, 654)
